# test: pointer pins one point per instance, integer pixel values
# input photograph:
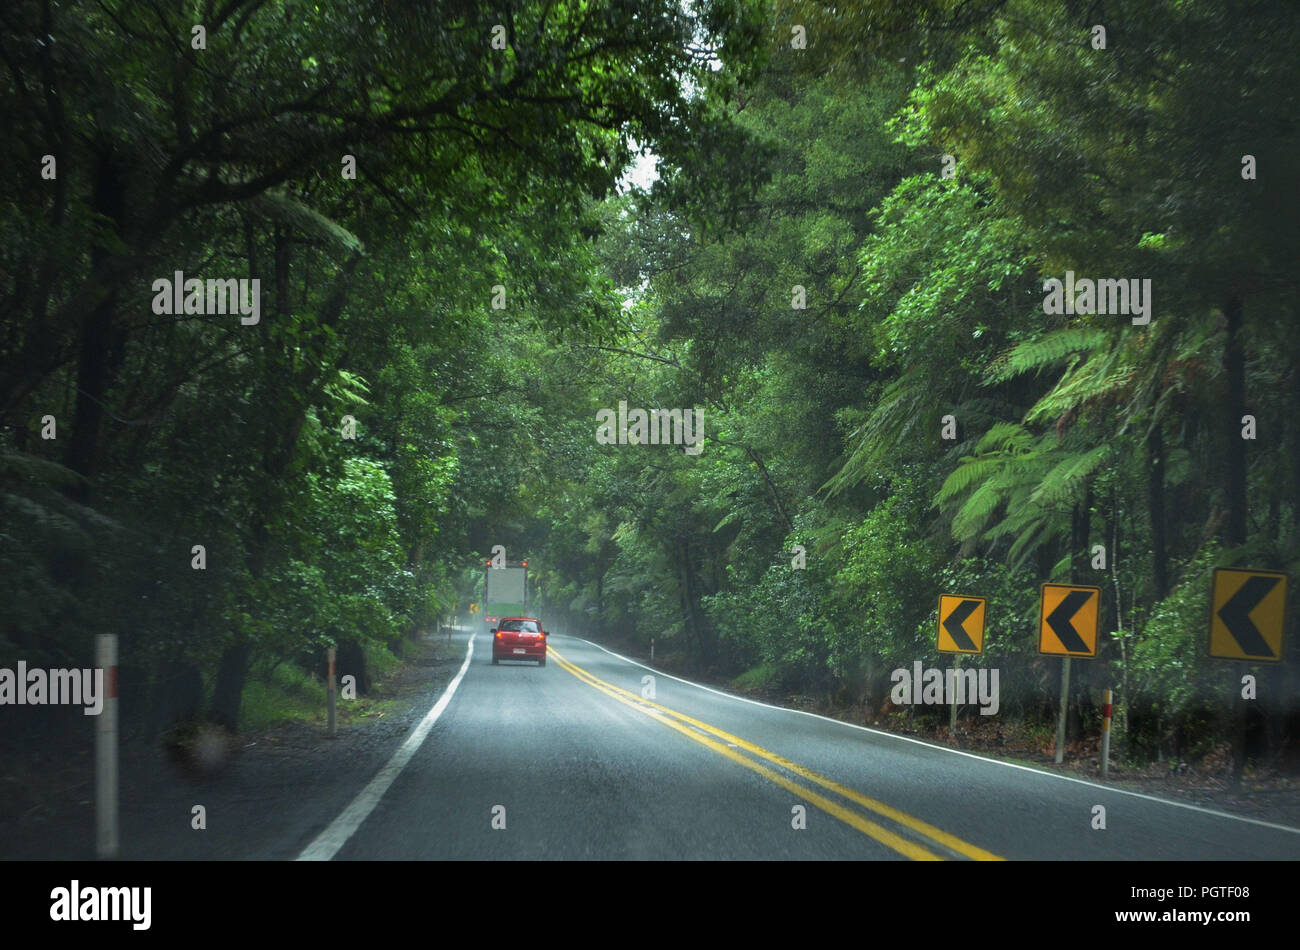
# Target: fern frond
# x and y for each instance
(290, 211)
(1008, 437)
(1076, 391)
(1047, 350)
(1064, 482)
(974, 515)
(880, 436)
(968, 473)
(1030, 541)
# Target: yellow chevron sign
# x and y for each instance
(1069, 616)
(961, 623)
(1247, 615)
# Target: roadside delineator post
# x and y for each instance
(1105, 735)
(652, 649)
(332, 693)
(106, 810)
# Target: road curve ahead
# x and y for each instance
(595, 756)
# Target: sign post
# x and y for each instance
(961, 631)
(1063, 711)
(1068, 619)
(952, 712)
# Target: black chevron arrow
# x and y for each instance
(1235, 615)
(1059, 620)
(953, 624)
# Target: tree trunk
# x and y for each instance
(177, 696)
(1288, 673)
(229, 692)
(352, 662)
(1235, 365)
(690, 604)
(1234, 532)
(1080, 563)
(279, 442)
(1156, 511)
(94, 364)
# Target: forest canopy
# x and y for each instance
(861, 261)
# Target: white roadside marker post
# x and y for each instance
(106, 810)
(332, 693)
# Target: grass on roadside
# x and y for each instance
(288, 693)
(761, 677)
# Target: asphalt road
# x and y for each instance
(574, 760)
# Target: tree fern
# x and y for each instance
(1009, 437)
(971, 470)
(1047, 350)
(1075, 390)
(878, 438)
(976, 512)
(1041, 530)
(1064, 483)
(295, 213)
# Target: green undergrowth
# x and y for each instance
(763, 676)
(288, 693)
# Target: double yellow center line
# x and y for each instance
(730, 747)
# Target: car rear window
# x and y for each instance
(521, 626)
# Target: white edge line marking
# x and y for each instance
(328, 843)
(939, 748)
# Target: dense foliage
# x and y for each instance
(840, 263)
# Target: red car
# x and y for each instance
(519, 638)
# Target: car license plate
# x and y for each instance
(520, 650)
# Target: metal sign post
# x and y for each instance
(1065, 708)
(1068, 616)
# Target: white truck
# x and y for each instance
(505, 591)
